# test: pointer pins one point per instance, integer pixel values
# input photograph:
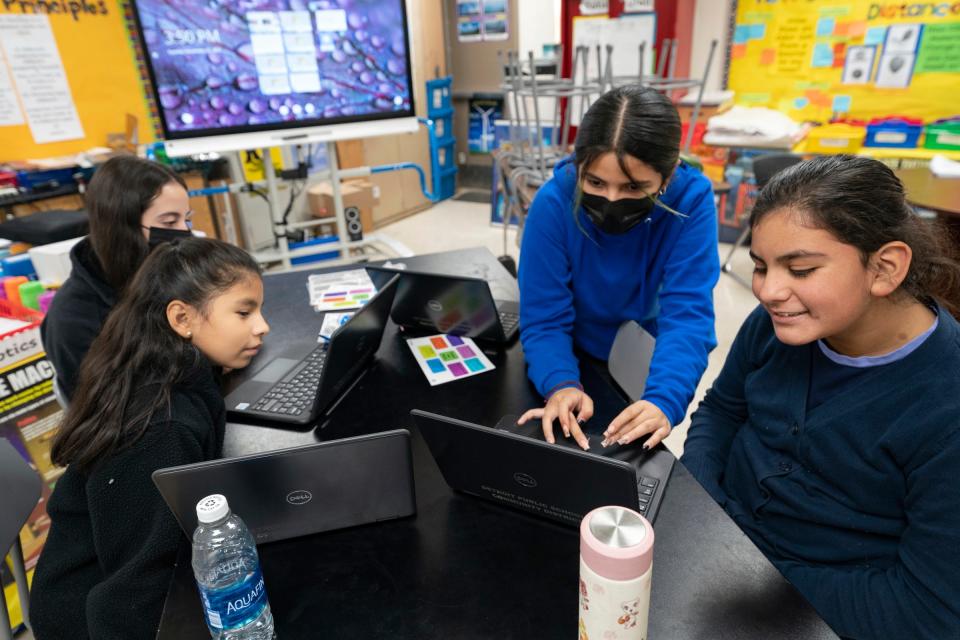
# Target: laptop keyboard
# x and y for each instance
(508, 321)
(297, 392)
(646, 487)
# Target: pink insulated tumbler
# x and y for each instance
(616, 561)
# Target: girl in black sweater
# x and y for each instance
(147, 397)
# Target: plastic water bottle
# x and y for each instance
(227, 570)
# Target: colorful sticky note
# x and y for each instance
(457, 369)
(800, 103)
(822, 55)
(825, 26)
(455, 340)
(448, 356)
(767, 56)
(438, 342)
(841, 29)
(875, 35)
(757, 31)
(436, 366)
(741, 34)
(427, 351)
(839, 51)
(857, 28)
(474, 364)
(465, 352)
(842, 103)
(738, 51)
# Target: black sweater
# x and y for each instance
(108, 561)
(76, 315)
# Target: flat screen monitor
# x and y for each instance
(241, 74)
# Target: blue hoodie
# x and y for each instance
(577, 291)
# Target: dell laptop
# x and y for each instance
(294, 492)
(458, 305)
(295, 391)
(554, 481)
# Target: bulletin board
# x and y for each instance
(89, 58)
(816, 59)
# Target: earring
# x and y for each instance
(189, 334)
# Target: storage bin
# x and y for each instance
(943, 134)
(893, 133)
(835, 138)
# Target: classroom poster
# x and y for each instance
(481, 20)
(858, 59)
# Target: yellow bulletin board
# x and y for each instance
(816, 59)
(101, 71)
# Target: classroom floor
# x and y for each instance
(454, 224)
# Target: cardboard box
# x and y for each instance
(356, 193)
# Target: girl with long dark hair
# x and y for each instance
(623, 231)
(132, 204)
(832, 434)
(147, 397)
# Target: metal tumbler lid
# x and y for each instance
(618, 527)
(616, 542)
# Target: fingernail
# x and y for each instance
(603, 443)
(580, 421)
(646, 447)
(622, 441)
(566, 434)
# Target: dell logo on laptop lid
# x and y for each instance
(299, 497)
(525, 479)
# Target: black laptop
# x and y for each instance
(557, 481)
(293, 492)
(458, 305)
(295, 389)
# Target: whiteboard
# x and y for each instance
(625, 34)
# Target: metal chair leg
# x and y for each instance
(727, 266)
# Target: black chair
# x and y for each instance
(764, 168)
(21, 491)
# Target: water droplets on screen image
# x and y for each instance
(228, 66)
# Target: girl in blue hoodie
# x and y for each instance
(623, 231)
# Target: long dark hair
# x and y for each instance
(632, 120)
(137, 359)
(120, 191)
(861, 202)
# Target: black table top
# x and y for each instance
(465, 568)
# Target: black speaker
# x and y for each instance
(354, 225)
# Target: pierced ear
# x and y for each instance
(181, 317)
(890, 264)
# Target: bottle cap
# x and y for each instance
(212, 508)
(616, 543)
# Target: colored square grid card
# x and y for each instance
(444, 358)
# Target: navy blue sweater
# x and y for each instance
(856, 502)
(576, 290)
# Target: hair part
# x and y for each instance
(144, 356)
(120, 191)
(862, 203)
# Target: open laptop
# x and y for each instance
(554, 481)
(294, 492)
(458, 305)
(294, 390)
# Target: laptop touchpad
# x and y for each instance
(275, 370)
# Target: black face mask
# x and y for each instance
(619, 216)
(159, 235)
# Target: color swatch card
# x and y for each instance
(340, 290)
(445, 358)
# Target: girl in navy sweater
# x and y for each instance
(832, 435)
(623, 231)
(147, 398)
